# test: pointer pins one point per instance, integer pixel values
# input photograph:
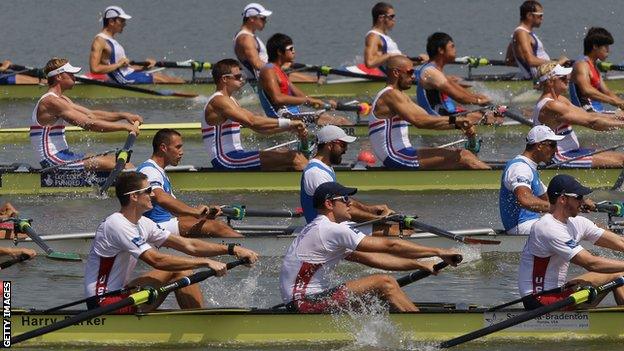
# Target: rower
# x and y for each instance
(109, 57)
(8, 78)
(378, 45)
(313, 255)
(332, 143)
(277, 93)
(522, 194)
(587, 89)
(127, 236)
(54, 111)
(554, 243)
(392, 113)
(170, 213)
(7, 211)
(525, 49)
(437, 93)
(556, 111)
(222, 121)
(250, 50)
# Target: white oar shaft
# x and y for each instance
(555, 165)
(294, 141)
(451, 143)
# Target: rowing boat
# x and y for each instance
(254, 327)
(189, 178)
(346, 88)
(273, 242)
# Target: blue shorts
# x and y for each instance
(6, 79)
(403, 159)
(239, 159)
(585, 162)
(135, 78)
(62, 157)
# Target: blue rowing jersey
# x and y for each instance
(510, 211)
(313, 175)
(156, 178)
(434, 101)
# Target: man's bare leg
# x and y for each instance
(192, 227)
(187, 297)
(432, 158)
(276, 160)
(385, 287)
(164, 78)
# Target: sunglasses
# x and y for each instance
(538, 14)
(393, 16)
(343, 198)
(290, 48)
(147, 190)
(238, 76)
(552, 144)
(564, 79)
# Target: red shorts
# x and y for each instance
(532, 302)
(327, 301)
(109, 300)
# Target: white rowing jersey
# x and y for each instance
(48, 141)
(222, 138)
(117, 245)
(570, 141)
(262, 53)
(314, 174)
(527, 71)
(117, 53)
(388, 136)
(388, 46)
(313, 256)
(550, 247)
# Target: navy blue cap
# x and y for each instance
(328, 190)
(566, 184)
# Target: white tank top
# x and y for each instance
(387, 135)
(47, 141)
(262, 53)
(117, 53)
(528, 72)
(570, 141)
(389, 46)
(222, 138)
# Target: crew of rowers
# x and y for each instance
(150, 215)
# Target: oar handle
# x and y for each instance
(612, 208)
(238, 212)
(420, 274)
(31, 71)
(195, 65)
(361, 108)
(22, 225)
(8, 263)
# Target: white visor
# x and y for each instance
(558, 71)
(64, 68)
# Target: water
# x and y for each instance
(325, 32)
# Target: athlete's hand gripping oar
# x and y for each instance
(86, 80)
(196, 66)
(611, 148)
(420, 274)
(412, 223)
(18, 259)
(22, 225)
(239, 212)
(577, 298)
(327, 70)
(136, 299)
(123, 157)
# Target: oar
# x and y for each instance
(238, 212)
(122, 158)
(327, 70)
(412, 223)
(408, 278)
(138, 298)
(23, 226)
(197, 66)
(362, 108)
(74, 303)
(473, 61)
(511, 303)
(18, 259)
(451, 143)
(608, 66)
(611, 148)
(612, 208)
(52, 168)
(518, 117)
(31, 71)
(294, 141)
(86, 80)
(579, 297)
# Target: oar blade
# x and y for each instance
(64, 256)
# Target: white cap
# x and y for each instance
(255, 9)
(557, 71)
(331, 133)
(64, 68)
(541, 133)
(114, 12)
